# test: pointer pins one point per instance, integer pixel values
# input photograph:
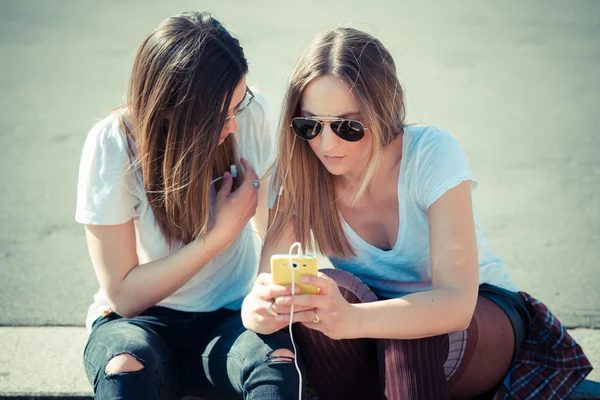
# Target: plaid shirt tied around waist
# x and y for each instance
(549, 365)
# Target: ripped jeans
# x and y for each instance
(209, 355)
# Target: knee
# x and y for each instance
(351, 287)
(123, 363)
(281, 355)
(257, 351)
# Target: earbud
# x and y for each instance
(232, 170)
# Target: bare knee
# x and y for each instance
(282, 355)
(123, 363)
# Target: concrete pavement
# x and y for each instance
(516, 83)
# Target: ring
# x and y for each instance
(270, 310)
(256, 184)
(316, 319)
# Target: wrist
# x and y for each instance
(206, 248)
(356, 322)
(220, 237)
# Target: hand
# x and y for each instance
(338, 319)
(233, 210)
(254, 309)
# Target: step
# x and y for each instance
(45, 363)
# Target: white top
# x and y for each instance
(110, 192)
(433, 162)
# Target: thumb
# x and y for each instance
(264, 279)
(225, 186)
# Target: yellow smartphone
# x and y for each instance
(282, 266)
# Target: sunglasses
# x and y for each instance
(346, 129)
(248, 98)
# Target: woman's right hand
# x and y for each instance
(234, 209)
(255, 314)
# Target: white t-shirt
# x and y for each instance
(433, 162)
(110, 192)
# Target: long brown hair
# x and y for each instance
(183, 78)
(364, 64)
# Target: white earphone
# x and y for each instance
(232, 170)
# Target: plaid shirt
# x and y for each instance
(549, 365)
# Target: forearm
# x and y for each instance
(147, 284)
(417, 315)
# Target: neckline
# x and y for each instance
(399, 238)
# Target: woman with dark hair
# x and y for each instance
(167, 225)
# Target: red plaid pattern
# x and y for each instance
(550, 365)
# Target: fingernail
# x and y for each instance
(280, 318)
(304, 279)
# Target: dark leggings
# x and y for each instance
(407, 369)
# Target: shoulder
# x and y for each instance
(430, 146)
(107, 187)
(106, 148)
(437, 163)
(107, 135)
(422, 139)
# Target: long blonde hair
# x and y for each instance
(363, 63)
(181, 86)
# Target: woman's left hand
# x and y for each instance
(330, 313)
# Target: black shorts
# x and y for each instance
(514, 307)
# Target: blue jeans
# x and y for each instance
(210, 355)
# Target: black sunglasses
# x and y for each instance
(347, 129)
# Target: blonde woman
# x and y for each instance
(418, 305)
(168, 227)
